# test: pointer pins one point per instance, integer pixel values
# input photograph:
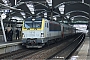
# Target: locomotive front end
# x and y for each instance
(32, 33)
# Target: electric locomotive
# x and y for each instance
(39, 31)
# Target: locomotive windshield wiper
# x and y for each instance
(28, 28)
(35, 28)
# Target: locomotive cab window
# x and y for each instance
(32, 24)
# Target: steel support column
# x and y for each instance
(89, 28)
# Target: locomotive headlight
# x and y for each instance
(42, 34)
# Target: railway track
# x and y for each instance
(69, 49)
(44, 53)
(17, 54)
(2, 56)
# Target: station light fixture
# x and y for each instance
(68, 16)
(82, 1)
(72, 19)
(45, 14)
(31, 7)
(55, 18)
(23, 14)
(49, 2)
(6, 2)
(61, 9)
(33, 19)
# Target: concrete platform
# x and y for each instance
(6, 47)
(83, 52)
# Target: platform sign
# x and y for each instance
(5, 10)
(3, 16)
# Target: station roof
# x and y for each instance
(79, 10)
